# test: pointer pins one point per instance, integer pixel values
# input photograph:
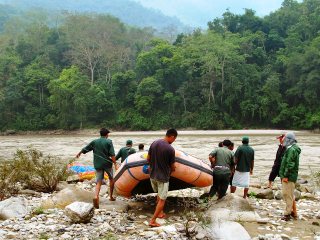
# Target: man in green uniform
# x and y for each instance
(125, 151)
(289, 173)
(244, 160)
(103, 157)
(222, 162)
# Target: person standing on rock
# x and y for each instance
(277, 162)
(161, 157)
(125, 151)
(289, 174)
(103, 158)
(222, 160)
(244, 160)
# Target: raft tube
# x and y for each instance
(133, 178)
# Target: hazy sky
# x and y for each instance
(198, 12)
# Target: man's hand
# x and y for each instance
(173, 167)
(285, 180)
(251, 172)
(78, 155)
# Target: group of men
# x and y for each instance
(103, 159)
(228, 167)
(236, 169)
(161, 158)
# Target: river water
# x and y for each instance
(196, 143)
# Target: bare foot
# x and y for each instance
(112, 199)
(95, 202)
(154, 224)
(162, 215)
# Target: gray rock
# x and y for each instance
(232, 208)
(265, 194)
(67, 196)
(278, 195)
(228, 231)
(233, 202)
(80, 212)
(297, 195)
(13, 208)
(73, 178)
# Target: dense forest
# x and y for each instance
(90, 70)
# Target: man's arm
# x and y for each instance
(118, 155)
(86, 149)
(212, 160)
(252, 164)
(113, 158)
(79, 154)
(251, 168)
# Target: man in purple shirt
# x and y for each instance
(161, 157)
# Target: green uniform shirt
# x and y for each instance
(290, 163)
(244, 156)
(124, 153)
(102, 151)
(224, 157)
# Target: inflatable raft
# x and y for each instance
(133, 178)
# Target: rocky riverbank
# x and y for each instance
(43, 216)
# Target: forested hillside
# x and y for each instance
(92, 70)
(129, 12)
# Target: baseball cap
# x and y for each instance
(129, 142)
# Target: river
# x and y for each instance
(196, 143)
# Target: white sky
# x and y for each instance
(198, 12)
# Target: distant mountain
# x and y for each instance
(127, 11)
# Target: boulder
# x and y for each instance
(13, 208)
(265, 194)
(228, 231)
(233, 202)
(232, 208)
(278, 195)
(67, 196)
(79, 212)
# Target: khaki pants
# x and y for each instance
(288, 196)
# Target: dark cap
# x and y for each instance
(281, 136)
(129, 142)
(245, 139)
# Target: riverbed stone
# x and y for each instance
(13, 207)
(67, 196)
(80, 212)
(228, 230)
(265, 194)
